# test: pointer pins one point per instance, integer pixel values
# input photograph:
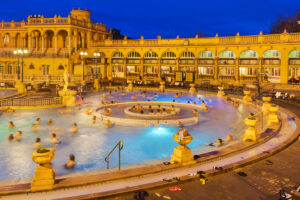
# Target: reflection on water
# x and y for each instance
(93, 141)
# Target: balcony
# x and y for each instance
(248, 61)
(168, 61)
(205, 76)
(248, 78)
(227, 77)
(294, 61)
(187, 62)
(206, 61)
(229, 61)
(271, 61)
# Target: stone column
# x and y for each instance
(55, 45)
(70, 44)
(177, 64)
(196, 69)
(216, 69)
(284, 66)
(29, 42)
(142, 68)
(159, 69)
(125, 68)
(237, 72)
(43, 43)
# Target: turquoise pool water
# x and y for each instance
(92, 142)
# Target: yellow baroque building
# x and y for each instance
(56, 44)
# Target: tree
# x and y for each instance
(290, 23)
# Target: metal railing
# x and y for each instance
(31, 101)
(120, 145)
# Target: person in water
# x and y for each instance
(10, 110)
(94, 119)
(54, 139)
(71, 163)
(37, 143)
(34, 127)
(38, 121)
(50, 122)
(10, 137)
(18, 136)
(74, 128)
(11, 124)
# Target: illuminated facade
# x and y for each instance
(55, 43)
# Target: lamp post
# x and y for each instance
(97, 55)
(83, 54)
(22, 53)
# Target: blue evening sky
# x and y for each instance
(165, 17)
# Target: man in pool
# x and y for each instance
(71, 163)
(54, 139)
(37, 143)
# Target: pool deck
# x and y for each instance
(106, 184)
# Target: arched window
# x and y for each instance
(169, 55)
(227, 54)
(118, 55)
(249, 54)
(206, 54)
(61, 67)
(187, 55)
(272, 54)
(294, 54)
(151, 54)
(134, 54)
(31, 66)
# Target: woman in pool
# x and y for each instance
(195, 112)
(107, 123)
(54, 139)
(164, 111)
(203, 106)
(50, 122)
(34, 127)
(172, 108)
(11, 124)
(74, 128)
(18, 136)
(94, 119)
(37, 143)
(176, 95)
(38, 121)
(158, 112)
(71, 163)
(10, 137)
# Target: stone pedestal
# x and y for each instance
(192, 89)
(130, 86)
(266, 104)
(273, 116)
(247, 98)
(162, 86)
(44, 176)
(182, 154)
(21, 87)
(221, 93)
(251, 132)
(96, 84)
(68, 97)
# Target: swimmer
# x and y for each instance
(38, 120)
(178, 101)
(195, 112)
(102, 103)
(134, 97)
(34, 127)
(142, 112)
(123, 93)
(229, 137)
(71, 163)
(103, 96)
(150, 107)
(18, 136)
(94, 119)
(188, 102)
(151, 112)
(173, 100)
(50, 122)
(176, 95)
(219, 142)
(54, 139)
(109, 93)
(10, 137)
(74, 128)
(10, 110)
(143, 95)
(172, 108)
(112, 102)
(195, 103)
(107, 123)
(79, 106)
(158, 112)
(88, 111)
(37, 143)
(164, 111)
(11, 124)
(133, 108)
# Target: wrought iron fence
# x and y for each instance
(31, 101)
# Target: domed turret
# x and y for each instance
(80, 14)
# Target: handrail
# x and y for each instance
(120, 144)
(262, 118)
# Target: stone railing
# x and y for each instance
(253, 39)
(31, 101)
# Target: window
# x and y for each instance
(150, 69)
(1, 69)
(31, 66)
(272, 71)
(132, 69)
(205, 70)
(227, 71)
(248, 71)
(169, 55)
(206, 54)
(61, 67)
(118, 55)
(167, 69)
(9, 68)
(151, 54)
(227, 54)
(134, 54)
(187, 55)
(272, 54)
(294, 54)
(249, 54)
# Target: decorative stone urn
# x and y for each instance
(221, 93)
(43, 178)
(247, 98)
(266, 104)
(251, 132)
(192, 89)
(130, 86)
(182, 154)
(273, 116)
(162, 86)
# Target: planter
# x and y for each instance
(43, 156)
